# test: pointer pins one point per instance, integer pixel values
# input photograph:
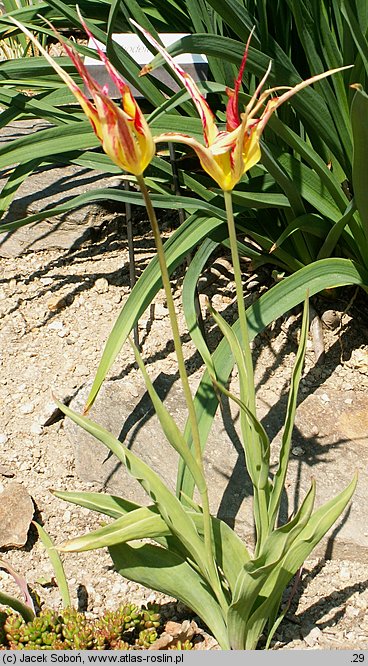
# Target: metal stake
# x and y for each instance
(176, 182)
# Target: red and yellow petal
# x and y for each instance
(124, 133)
(232, 109)
(210, 130)
(211, 164)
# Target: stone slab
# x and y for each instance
(330, 442)
(46, 188)
(16, 513)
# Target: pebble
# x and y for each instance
(252, 284)
(351, 611)
(325, 398)
(116, 588)
(56, 304)
(5, 471)
(344, 573)
(3, 438)
(36, 429)
(63, 332)
(331, 318)
(45, 281)
(55, 325)
(81, 371)
(160, 311)
(102, 286)
(26, 408)
(312, 638)
(67, 516)
(297, 451)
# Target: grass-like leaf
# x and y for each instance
(57, 564)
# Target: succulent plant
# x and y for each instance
(187, 645)
(77, 630)
(3, 618)
(147, 637)
(42, 633)
(126, 628)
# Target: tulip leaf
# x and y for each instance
(25, 611)
(167, 572)
(57, 564)
(109, 505)
(323, 274)
(278, 486)
(171, 510)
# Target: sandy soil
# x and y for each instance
(57, 309)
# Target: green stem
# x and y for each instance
(240, 298)
(208, 536)
(251, 441)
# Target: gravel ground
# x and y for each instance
(57, 309)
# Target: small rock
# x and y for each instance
(351, 611)
(345, 573)
(102, 286)
(3, 438)
(26, 408)
(63, 333)
(351, 635)
(160, 311)
(331, 319)
(362, 602)
(81, 371)
(348, 401)
(36, 429)
(45, 281)
(116, 589)
(5, 471)
(312, 638)
(67, 516)
(347, 387)
(252, 284)
(132, 390)
(55, 325)
(325, 398)
(56, 304)
(297, 451)
(16, 513)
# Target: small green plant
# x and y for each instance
(129, 627)
(196, 557)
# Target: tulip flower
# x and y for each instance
(227, 155)
(123, 132)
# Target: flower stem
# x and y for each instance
(256, 464)
(208, 536)
(240, 298)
